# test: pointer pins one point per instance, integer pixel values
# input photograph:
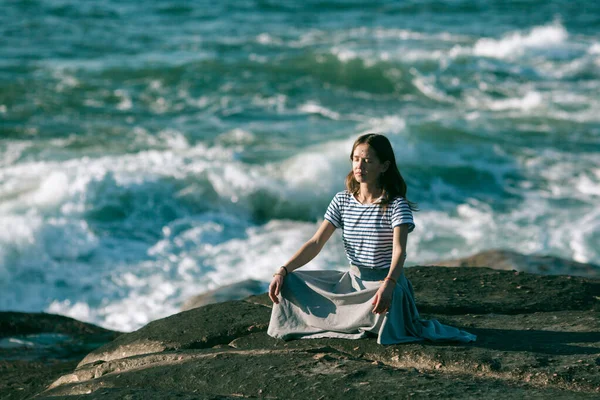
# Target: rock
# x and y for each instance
(502, 292)
(222, 350)
(235, 291)
(197, 328)
(19, 323)
(37, 348)
(34, 336)
(510, 260)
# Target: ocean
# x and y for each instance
(152, 151)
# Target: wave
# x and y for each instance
(400, 71)
(140, 167)
(148, 230)
(515, 44)
(526, 103)
(314, 108)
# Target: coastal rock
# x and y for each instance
(198, 328)
(37, 348)
(234, 291)
(23, 324)
(538, 336)
(508, 260)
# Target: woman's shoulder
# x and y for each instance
(400, 203)
(341, 199)
(342, 195)
(399, 200)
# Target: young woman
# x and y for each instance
(373, 298)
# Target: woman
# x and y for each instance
(373, 298)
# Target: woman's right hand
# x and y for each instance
(275, 288)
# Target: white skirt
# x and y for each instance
(335, 304)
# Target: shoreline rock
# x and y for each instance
(503, 259)
(234, 291)
(538, 336)
(37, 348)
(498, 259)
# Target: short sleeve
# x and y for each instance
(333, 213)
(402, 214)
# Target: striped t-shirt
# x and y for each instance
(367, 230)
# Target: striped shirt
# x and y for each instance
(367, 230)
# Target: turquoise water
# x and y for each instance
(153, 151)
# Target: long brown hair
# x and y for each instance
(391, 181)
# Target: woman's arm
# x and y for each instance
(383, 297)
(312, 247)
(398, 251)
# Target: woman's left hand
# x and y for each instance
(383, 297)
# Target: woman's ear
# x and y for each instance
(386, 165)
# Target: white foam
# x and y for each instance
(52, 190)
(236, 136)
(65, 80)
(18, 242)
(161, 105)
(313, 108)
(584, 239)
(59, 231)
(13, 343)
(440, 231)
(276, 102)
(309, 38)
(125, 102)
(124, 283)
(388, 125)
(191, 266)
(589, 185)
(263, 249)
(396, 33)
(311, 170)
(80, 310)
(528, 102)
(382, 35)
(12, 151)
(173, 139)
(516, 43)
(345, 54)
(427, 87)
(258, 58)
(268, 39)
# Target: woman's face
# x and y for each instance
(365, 164)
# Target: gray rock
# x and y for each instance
(235, 291)
(508, 260)
(538, 337)
(37, 348)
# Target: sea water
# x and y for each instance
(150, 152)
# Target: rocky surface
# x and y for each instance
(37, 348)
(538, 336)
(508, 260)
(235, 291)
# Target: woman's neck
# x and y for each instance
(369, 193)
